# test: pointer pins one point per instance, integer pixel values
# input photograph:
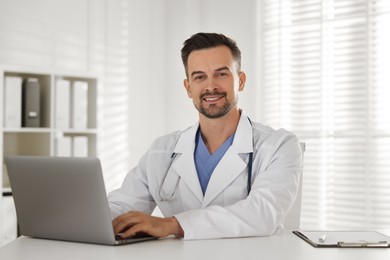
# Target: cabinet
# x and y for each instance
(44, 139)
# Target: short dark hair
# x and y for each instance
(202, 40)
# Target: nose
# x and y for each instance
(210, 85)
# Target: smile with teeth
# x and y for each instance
(212, 98)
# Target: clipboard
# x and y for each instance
(344, 239)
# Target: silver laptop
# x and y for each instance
(62, 198)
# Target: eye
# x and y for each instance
(199, 77)
(222, 74)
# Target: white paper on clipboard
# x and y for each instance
(344, 238)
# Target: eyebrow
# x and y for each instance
(197, 72)
(202, 72)
(223, 68)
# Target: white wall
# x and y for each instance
(134, 47)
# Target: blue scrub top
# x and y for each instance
(205, 162)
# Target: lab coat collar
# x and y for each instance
(230, 166)
(243, 139)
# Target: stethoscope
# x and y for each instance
(168, 196)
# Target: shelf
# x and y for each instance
(27, 130)
(77, 131)
(49, 130)
(77, 136)
(44, 140)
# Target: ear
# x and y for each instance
(187, 87)
(242, 80)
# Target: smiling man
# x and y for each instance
(226, 176)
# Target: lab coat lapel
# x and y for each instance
(228, 169)
(184, 165)
(231, 164)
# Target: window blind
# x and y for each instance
(326, 78)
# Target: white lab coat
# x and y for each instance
(225, 210)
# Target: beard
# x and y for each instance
(214, 111)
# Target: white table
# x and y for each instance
(283, 245)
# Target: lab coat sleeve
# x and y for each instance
(264, 210)
(134, 192)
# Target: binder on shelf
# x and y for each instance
(80, 146)
(64, 146)
(62, 104)
(13, 102)
(31, 112)
(79, 104)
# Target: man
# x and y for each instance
(224, 177)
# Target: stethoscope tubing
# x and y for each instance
(249, 178)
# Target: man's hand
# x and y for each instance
(134, 222)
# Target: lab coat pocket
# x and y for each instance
(234, 194)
